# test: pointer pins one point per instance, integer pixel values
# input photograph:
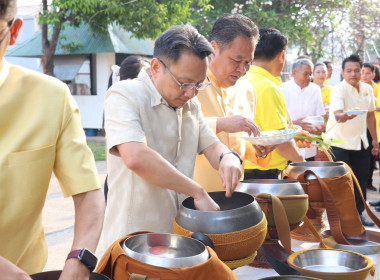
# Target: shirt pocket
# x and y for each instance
(32, 156)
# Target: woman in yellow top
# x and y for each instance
(319, 78)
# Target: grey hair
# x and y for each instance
(228, 27)
(303, 61)
(178, 39)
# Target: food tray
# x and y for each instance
(272, 137)
(355, 112)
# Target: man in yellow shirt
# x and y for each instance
(41, 133)
(270, 108)
(228, 106)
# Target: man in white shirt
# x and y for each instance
(352, 94)
(155, 129)
(303, 99)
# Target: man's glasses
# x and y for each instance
(187, 86)
(10, 23)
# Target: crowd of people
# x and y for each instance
(174, 127)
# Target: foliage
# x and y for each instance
(144, 18)
(98, 149)
(306, 23)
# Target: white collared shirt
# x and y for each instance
(345, 97)
(302, 103)
(136, 112)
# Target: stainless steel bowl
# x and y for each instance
(324, 169)
(272, 186)
(165, 250)
(238, 212)
(366, 244)
(331, 264)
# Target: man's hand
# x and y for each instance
(342, 117)
(230, 171)
(237, 123)
(304, 125)
(375, 149)
(262, 151)
(9, 271)
(303, 143)
(204, 202)
(74, 270)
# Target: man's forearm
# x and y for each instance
(371, 124)
(153, 168)
(290, 151)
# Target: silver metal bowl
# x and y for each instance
(329, 261)
(240, 211)
(366, 244)
(272, 186)
(165, 250)
(324, 169)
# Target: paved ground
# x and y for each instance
(58, 217)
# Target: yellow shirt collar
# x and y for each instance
(4, 72)
(261, 71)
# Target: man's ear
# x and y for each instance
(155, 66)
(14, 30)
(281, 56)
(214, 45)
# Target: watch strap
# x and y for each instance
(234, 153)
(74, 254)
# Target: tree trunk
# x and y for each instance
(49, 47)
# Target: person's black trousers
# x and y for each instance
(372, 160)
(359, 163)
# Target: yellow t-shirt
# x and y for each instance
(40, 132)
(270, 110)
(326, 91)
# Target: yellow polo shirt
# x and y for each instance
(220, 102)
(326, 91)
(270, 110)
(40, 132)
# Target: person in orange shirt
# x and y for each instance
(229, 105)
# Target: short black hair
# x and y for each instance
(352, 58)
(179, 38)
(228, 27)
(8, 9)
(131, 66)
(327, 62)
(377, 74)
(271, 43)
(370, 66)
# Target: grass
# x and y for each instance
(98, 149)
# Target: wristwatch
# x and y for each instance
(85, 256)
(234, 153)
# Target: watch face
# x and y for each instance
(88, 259)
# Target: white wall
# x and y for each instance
(92, 106)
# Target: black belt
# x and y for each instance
(261, 174)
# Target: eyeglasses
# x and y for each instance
(10, 23)
(187, 86)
